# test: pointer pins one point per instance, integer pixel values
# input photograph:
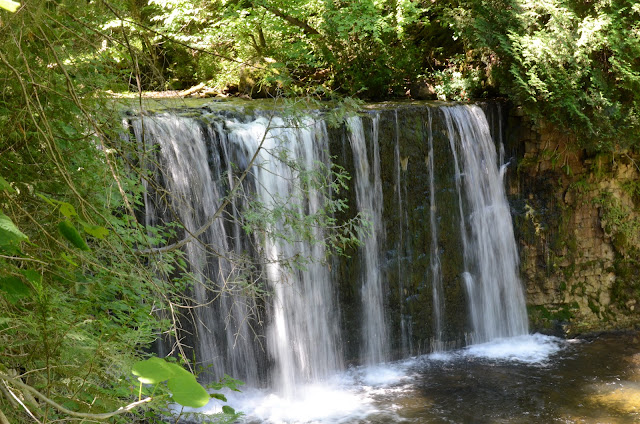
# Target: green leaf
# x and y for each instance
(228, 410)
(186, 391)
(219, 396)
(69, 232)
(4, 185)
(14, 288)
(95, 231)
(9, 233)
(67, 209)
(152, 371)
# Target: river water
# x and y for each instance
(526, 379)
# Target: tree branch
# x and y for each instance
(64, 410)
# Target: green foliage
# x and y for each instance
(565, 61)
(78, 304)
(303, 47)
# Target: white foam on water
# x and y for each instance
(530, 348)
(314, 403)
(441, 356)
(347, 397)
(380, 375)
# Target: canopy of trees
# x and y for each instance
(78, 301)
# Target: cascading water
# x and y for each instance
(451, 233)
(436, 277)
(496, 297)
(369, 199)
(197, 165)
(302, 336)
(197, 192)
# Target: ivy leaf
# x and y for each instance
(9, 233)
(95, 231)
(152, 371)
(69, 232)
(14, 288)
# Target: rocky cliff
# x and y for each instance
(578, 223)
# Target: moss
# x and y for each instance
(545, 317)
(594, 308)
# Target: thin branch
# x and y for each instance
(16, 258)
(64, 410)
(17, 399)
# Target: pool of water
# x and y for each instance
(529, 379)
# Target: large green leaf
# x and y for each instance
(9, 233)
(186, 391)
(184, 388)
(152, 371)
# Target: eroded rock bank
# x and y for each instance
(578, 226)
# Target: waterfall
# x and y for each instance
(369, 199)
(496, 296)
(273, 322)
(302, 335)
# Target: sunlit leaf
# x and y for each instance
(152, 371)
(9, 5)
(67, 209)
(186, 391)
(46, 199)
